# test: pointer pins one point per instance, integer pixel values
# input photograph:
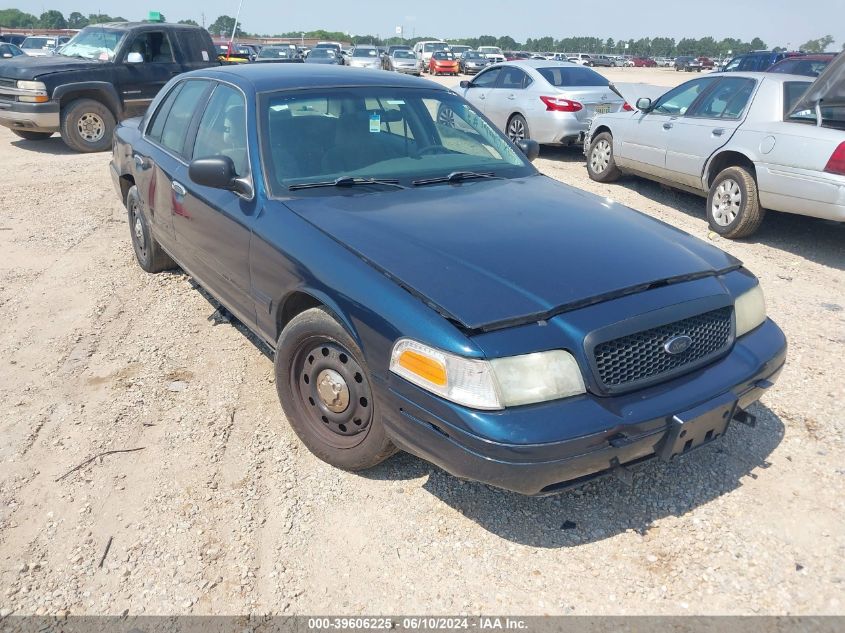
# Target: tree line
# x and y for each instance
(654, 47)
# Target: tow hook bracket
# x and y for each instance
(743, 417)
(625, 475)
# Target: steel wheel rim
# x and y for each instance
(138, 234)
(91, 127)
(333, 392)
(727, 202)
(516, 130)
(600, 156)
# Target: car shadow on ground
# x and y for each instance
(53, 145)
(604, 507)
(811, 238)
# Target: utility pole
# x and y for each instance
(203, 19)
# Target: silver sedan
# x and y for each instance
(747, 141)
(404, 61)
(549, 102)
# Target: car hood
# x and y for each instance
(829, 87)
(30, 67)
(631, 92)
(495, 253)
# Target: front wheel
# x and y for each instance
(733, 204)
(29, 135)
(87, 126)
(601, 165)
(324, 387)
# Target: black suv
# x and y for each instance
(107, 73)
(756, 61)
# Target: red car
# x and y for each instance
(443, 63)
(808, 65)
(644, 62)
(706, 63)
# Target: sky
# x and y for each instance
(777, 22)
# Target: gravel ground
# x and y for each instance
(224, 512)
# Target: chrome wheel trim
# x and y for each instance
(516, 129)
(446, 117)
(91, 127)
(600, 156)
(727, 202)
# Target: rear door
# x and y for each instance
(644, 146)
(161, 161)
(479, 88)
(216, 224)
(507, 95)
(706, 127)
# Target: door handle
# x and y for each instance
(511, 97)
(141, 162)
(667, 126)
(178, 188)
(718, 131)
(482, 97)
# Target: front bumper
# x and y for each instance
(589, 435)
(35, 117)
(408, 70)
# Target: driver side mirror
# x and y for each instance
(465, 84)
(218, 172)
(530, 148)
(644, 104)
(134, 58)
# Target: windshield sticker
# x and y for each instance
(205, 56)
(279, 108)
(375, 123)
(396, 102)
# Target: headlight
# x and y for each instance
(38, 90)
(491, 385)
(750, 310)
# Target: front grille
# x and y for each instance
(630, 361)
(7, 83)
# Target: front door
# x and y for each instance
(506, 97)
(140, 79)
(480, 87)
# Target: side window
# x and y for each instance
(676, 102)
(154, 47)
(751, 63)
(727, 100)
(179, 117)
(196, 46)
(160, 115)
(487, 78)
(733, 64)
(222, 129)
(514, 79)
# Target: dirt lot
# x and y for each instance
(224, 512)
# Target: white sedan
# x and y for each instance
(747, 141)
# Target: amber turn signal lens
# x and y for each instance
(424, 367)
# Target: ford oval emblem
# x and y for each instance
(677, 344)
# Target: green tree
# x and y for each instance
(77, 21)
(758, 45)
(52, 20)
(102, 18)
(817, 46)
(191, 22)
(14, 18)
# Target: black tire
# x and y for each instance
(733, 204)
(148, 252)
(87, 126)
(517, 128)
(29, 135)
(601, 165)
(313, 351)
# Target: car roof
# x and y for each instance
(779, 77)
(136, 25)
(263, 78)
(540, 63)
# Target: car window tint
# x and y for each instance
(564, 76)
(154, 47)
(792, 91)
(222, 129)
(678, 100)
(487, 78)
(160, 115)
(734, 64)
(514, 79)
(727, 100)
(196, 45)
(181, 113)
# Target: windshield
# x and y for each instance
(274, 52)
(442, 55)
(434, 46)
(94, 43)
(37, 43)
(401, 134)
(490, 49)
(365, 52)
(567, 76)
(473, 55)
(322, 52)
(404, 55)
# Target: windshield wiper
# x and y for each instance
(457, 176)
(347, 181)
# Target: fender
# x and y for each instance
(106, 93)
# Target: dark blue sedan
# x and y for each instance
(426, 289)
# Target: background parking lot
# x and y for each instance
(223, 511)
